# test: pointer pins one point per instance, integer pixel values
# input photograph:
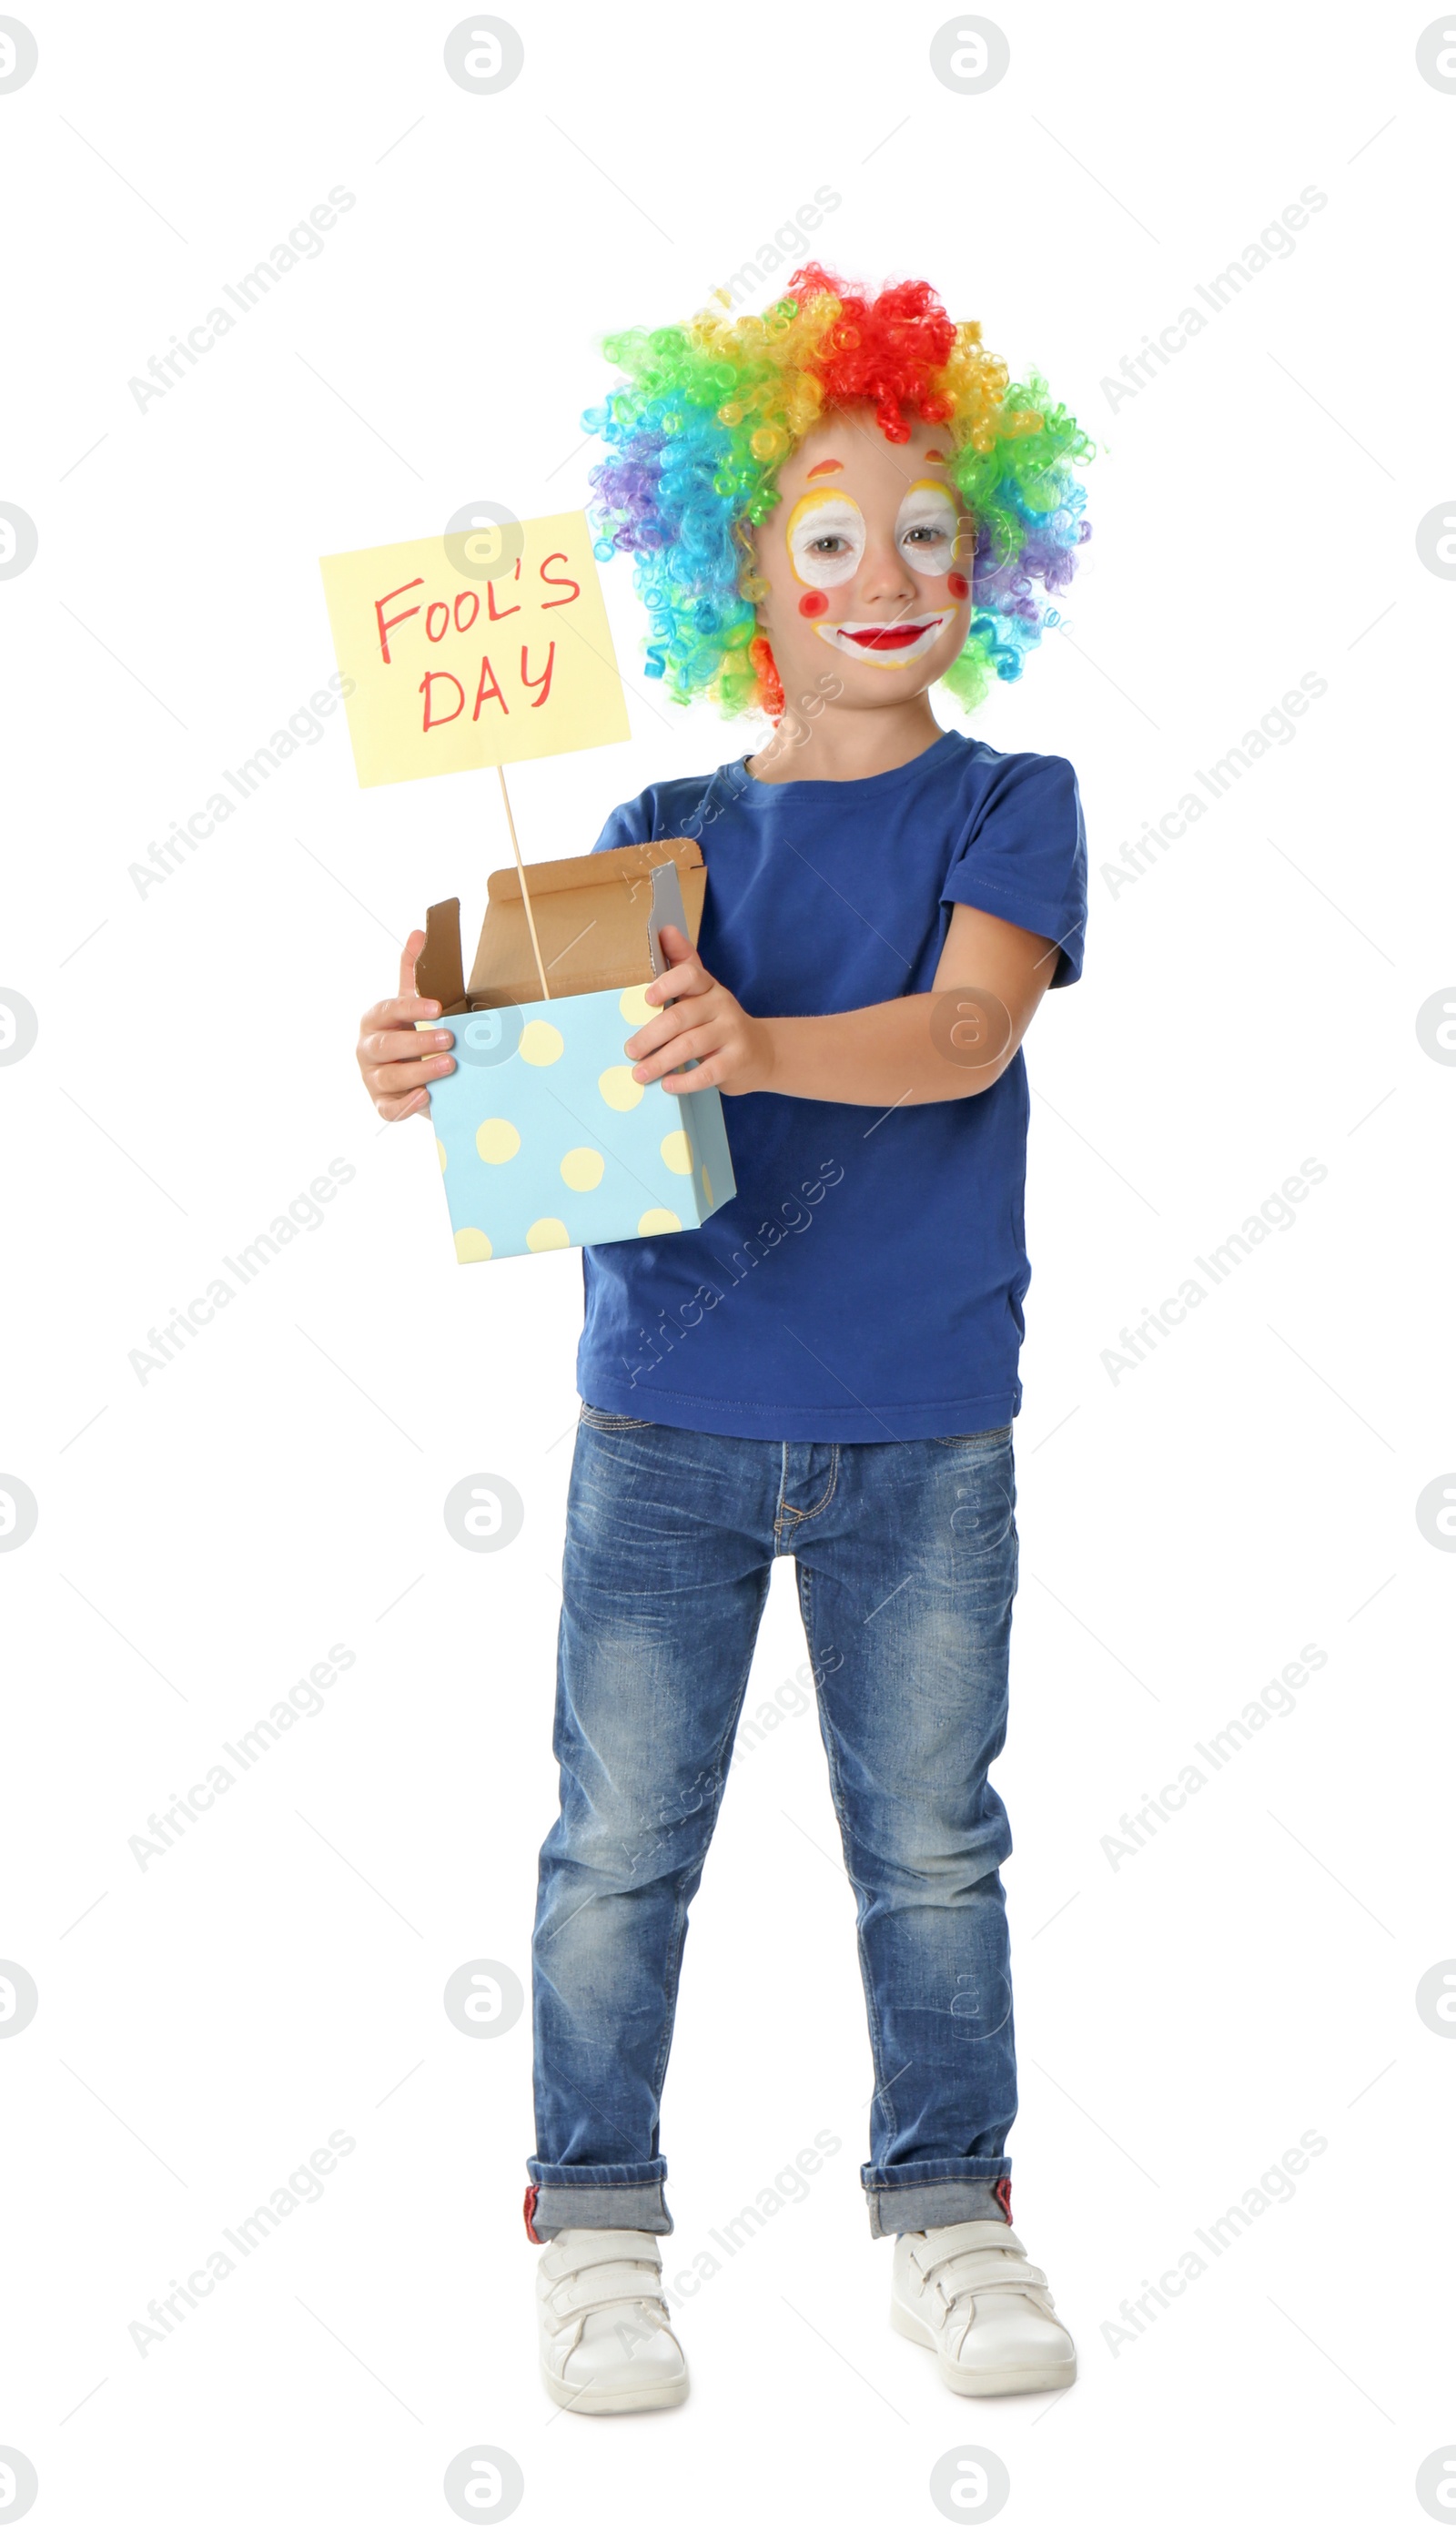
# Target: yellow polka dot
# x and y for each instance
(546, 1235)
(582, 1168)
(708, 1188)
(496, 1142)
(540, 1044)
(440, 1152)
(471, 1245)
(659, 1222)
(675, 1152)
(634, 1007)
(619, 1087)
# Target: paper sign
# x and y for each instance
(453, 671)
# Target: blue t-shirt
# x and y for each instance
(866, 1281)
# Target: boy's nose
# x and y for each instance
(884, 574)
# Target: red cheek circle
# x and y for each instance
(813, 605)
(957, 585)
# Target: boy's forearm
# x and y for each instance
(901, 1052)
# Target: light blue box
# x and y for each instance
(546, 1138)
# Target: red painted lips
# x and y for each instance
(885, 640)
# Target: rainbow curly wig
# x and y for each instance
(697, 431)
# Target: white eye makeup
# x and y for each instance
(925, 527)
(826, 538)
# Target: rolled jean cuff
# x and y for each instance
(626, 2196)
(914, 2196)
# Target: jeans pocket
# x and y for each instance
(595, 1419)
(977, 1437)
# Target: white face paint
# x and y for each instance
(926, 526)
(889, 641)
(826, 538)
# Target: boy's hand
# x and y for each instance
(399, 1065)
(734, 1052)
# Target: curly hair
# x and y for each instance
(707, 413)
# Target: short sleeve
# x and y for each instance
(1024, 856)
(628, 826)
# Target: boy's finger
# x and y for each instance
(404, 1075)
(392, 1012)
(406, 1045)
(674, 1054)
(688, 967)
(414, 947)
(651, 1036)
(685, 978)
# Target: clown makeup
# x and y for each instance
(826, 538)
(897, 640)
(926, 527)
(864, 553)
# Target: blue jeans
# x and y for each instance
(907, 1557)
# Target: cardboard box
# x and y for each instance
(545, 1137)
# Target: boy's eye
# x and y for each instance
(826, 538)
(927, 526)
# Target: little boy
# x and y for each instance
(831, 507)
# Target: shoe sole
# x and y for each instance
(584, 2403)
(987, 2382)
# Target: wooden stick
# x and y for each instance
(524, 894)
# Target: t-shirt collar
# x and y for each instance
(748, 788)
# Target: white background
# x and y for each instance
(205, 1536)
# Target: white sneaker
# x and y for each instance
(605, 2345)
(970, 2293)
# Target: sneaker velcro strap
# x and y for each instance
(980, 2273)
(950, 2240)
(593, 2290)
(649, 2308)
(561, 2258)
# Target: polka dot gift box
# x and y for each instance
(544, 1135)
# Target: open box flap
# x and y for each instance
(593, 919)
(438, 972)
